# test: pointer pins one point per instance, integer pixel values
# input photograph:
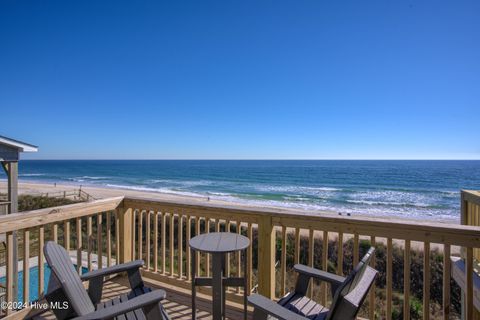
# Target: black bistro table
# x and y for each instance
(218, 244)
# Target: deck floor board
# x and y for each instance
(177, 304)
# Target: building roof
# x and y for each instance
(21, 146)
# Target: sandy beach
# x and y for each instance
(105, 192)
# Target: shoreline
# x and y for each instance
(36, 188)
(32, 188)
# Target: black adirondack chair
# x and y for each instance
(65, 286)
(348, 295)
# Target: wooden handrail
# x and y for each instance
(472, 196)
(414, 230)
(270, 220)
(140, 228)
(35, 218)
(67, 193)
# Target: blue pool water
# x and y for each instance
(33, 281)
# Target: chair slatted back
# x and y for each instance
(350, 295)
(67, 278)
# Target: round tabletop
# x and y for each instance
(219, 242)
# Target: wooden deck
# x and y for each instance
(178, 303)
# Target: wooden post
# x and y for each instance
(390, 277)
(78, 225)
(26, 265)
(463, 208)
(10, 271)
(12, 172)
(406, 281)
(266, 257)
(125, 217)
(469, 284)
(463, 217)
(446, 281)
(463, 250)
(426, 280)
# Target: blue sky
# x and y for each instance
(242, 79)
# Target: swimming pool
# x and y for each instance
(33, 287)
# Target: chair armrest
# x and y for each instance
(112, 270)
(268, 307)
(96, 278)
(334, 279)
(141, 301)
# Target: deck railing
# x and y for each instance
(104, 232)
(470, 213)
(76, 194)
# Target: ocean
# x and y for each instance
(412, 189)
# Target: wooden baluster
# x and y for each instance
(406, 281)
(207, 256)
(340, 254)
(297, 245)
(155, 241)
(250, 259)
(446, 281)
(227, 262)
(324, 266)
(197, 254)
(147, 238)
(140, 234)
(78, 224)
(355, 250)
(283, 253)
(171, 253)
(10, 268)
(239, 268)
(41, 264)
(66, 235)
(476, 213)
(109, 239)
(164, 239)
(476, 253)
(372, 290)
(55, 232)
(89, 243)
(117, 236)
(389, 278)
(426, 280)
(99, 241)
(188, 229)
(180, 245)
(310, 258)
(134, 240)
(26, 265)
(472, 214)
(469, 283)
